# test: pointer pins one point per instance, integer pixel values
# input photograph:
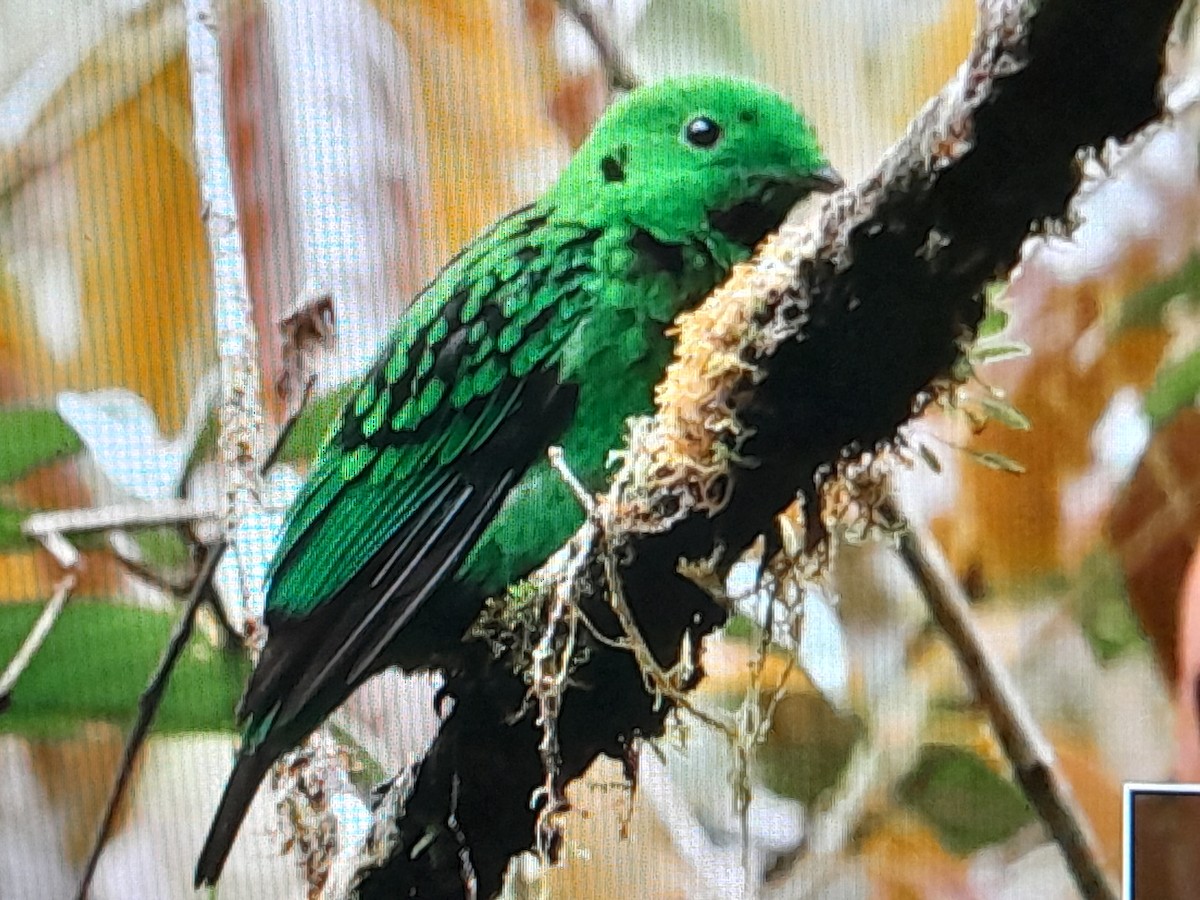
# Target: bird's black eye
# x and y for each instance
(702, 132)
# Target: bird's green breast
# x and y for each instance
(616, 356)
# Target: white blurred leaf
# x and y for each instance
(999, 873)
(1120, 437)
(742, 580)
(119, 429)
(575, 50)
(353, 824)
(692, 793)
(394, 717)
(822, 647)
(44, 45)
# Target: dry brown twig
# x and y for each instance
(126, 553)
(1030, 753)
(148, 704)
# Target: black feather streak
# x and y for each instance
(582, 242)
(612, 170)
(748, 222)
(659, 255)
(542, 319)
(533, 223)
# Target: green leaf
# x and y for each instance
(97, 660)
(30, 438)
(1006, 414)
(11, 538)
(163, 549)
(314, 423)
(1144, 309)
(995, 317)
(741, 627)
(1176, 387)
(997, 352)
(808, 747)
(366, 772)
(1103, 608)
(206, 442)
(997, 461)
(994, 322)
(968, 805)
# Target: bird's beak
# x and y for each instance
(824, 180)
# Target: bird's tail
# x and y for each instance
(243, 784)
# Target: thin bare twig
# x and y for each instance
(151, 698)
(755, 718)
(176, 587)
(61, 522)
(148, 704)
(33, 641)
(618, 73)
(285, 432)
(1030, 753)
(137, 567)
(64, 552)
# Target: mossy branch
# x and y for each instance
(788, 385)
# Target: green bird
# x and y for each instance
(434, 491)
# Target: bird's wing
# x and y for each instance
(465, 399)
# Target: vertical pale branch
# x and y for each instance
(305, 775)
(237, 345)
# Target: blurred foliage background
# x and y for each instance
(369, 139)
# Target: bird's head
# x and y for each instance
(692, 155)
